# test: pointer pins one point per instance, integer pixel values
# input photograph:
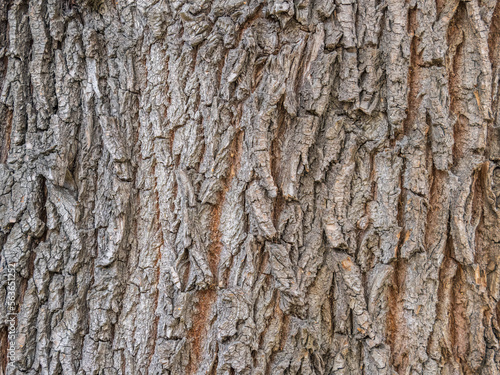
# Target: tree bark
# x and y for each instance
(250, 187)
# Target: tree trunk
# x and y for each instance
(250, 187)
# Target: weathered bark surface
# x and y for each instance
(251, 187)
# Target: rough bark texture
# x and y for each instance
(251, 187)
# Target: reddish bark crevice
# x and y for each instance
(216, 246)
(197, 333)
(207, 297)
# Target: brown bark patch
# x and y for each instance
(460, 136)
(276, 157)
(447, 273)
(459, 325)
(5, 136)
(480, 253)
(439, 6)
(494, 55)
(395, 320)
(276, 145)
(4, 343)
(437, 183)
(454, 56)
(494, 37)
(414, 99)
